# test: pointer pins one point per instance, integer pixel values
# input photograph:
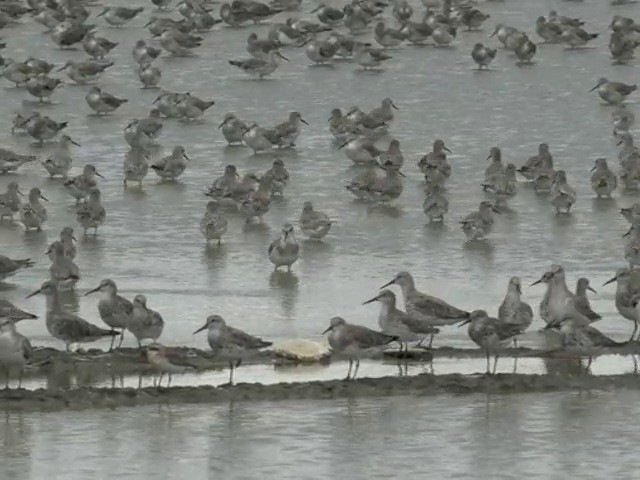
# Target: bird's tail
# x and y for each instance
(235, 63)
(25, 263)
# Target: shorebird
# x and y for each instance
(81, 185)
(603, 180)
(477, 225)
(482, 55)
(287, 133)
(259, 67)
(144, 54)
(543, 161)
(513, 313)
(550, 32)
(191, 107)
(354, 341)
(435, 205)
(257, 139)
(213, 225)
(285, 250)
(279, 177)
(9, 267)
(33, 214)
(171, 166)
(15, 349)
(42, 87)
(115, 310)
(425, 307)
(489, 334)
(85, 72)
(97, 47)
(119, 16)
(43, 128)
(10, 202)
(395, 322)
(233, 129)
(91, 214)
(229, 343)
(313, 223)
(67, 239)
(581, 300)
(11, 161)
(136, 166)
(222, 186)
(564, 196)
(576, 37)
(59, 163)
(614, 93)
(63, 272)
(625, 295)
(167, 360)
(9, 311)
(149, 75)
(103, 102)
(525, 50)
(144, 322)
(64, 325)
(367, 56)
(328, 14)
(386, 36)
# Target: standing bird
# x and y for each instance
(314, 224)
(435, 205)
(136, 166)
(513, 312)
(489, 334)
(233, 129)
(59, 163)
(15, 349)
(603, 180)
(279, 177)
(64, 325)
(482, 55)
(114, 309)
(259, 67)
(614, 93)
(582, 302)
(354, 341)
(167, 360)
(285, 250)
(213, 225)
(525, 50)
(172, 166)
(564, 196)
(477, 225)
(81, 185)
(33, 213)
(92, 214)
(149, 75)
(103, 102)
(10, 202)
(230, 344)
(118, 16)
(143, 322)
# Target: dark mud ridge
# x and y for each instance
(423, 384)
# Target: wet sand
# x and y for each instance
(423, 384)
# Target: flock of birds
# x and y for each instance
(338, 35)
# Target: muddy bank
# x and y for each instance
(424, 384)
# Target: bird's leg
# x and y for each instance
(6, 384)
(355, 372)
(515, 342)
(20, 378)
(230, 373)
(495, 364)
(488, 363)
(169, 380)
(588, 364)
(121, 338)
(431, 338)
(68, 347)
(113, 339)
(349, 371)
(635, 329)
(160, 379)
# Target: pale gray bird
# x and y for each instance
(15, 350)
(614, 93)
(418, 304)
(33, 213)
(11, 161)
(436, 204)
(603, 180)
(149, 75)
(564, 196)
(258, 66)
(279, 177)
(81, 185)
(581, 300)
(525, 50)
(213, 225)
(10, 312)
(103, 102)
(172, 166)
(144, 322)
(489, 334)
(230, 344)
(43, 128)
(482, 55)
(626, 292)
(191, 107)
(393, 321)
(64, 325)
(114, 309)
(313, 223)
(91, 214)
(136, 166)
(354, 342)
(477, 225)
(60, 161)
(513, 312)
(233, 129)
(63, 272)
(9, 267)
(285, 250)
(119, 16)
(10, 202)
(85, 72)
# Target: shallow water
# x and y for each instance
(151, 242)
(586, 435)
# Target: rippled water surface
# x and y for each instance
(584, 435)
(151, 244)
